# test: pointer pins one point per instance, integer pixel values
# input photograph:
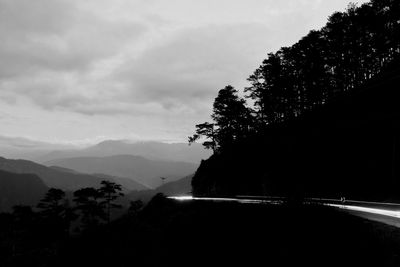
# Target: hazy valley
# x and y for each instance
(137, 167)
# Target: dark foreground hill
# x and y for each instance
(20, 189)
(168, 233)
(349, 147)
(145, 171)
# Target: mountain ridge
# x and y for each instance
(51, 176)
(146, 171)
(152, 150)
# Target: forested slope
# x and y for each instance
(323, 119)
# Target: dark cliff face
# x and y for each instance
(350, 147)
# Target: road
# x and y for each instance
(236, 199)
(390, 217)
(388, 213)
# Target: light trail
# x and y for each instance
(222, 199)
(389, 216)
(389, 213)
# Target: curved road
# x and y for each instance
(388, 213)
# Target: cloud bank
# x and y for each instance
(72, 69)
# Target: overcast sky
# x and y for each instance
(82, 71)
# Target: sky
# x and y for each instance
(79, 72)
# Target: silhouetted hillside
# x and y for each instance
(323, 116)
(20, 189)
(146, 172)
(348, 147)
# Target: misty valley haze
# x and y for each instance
(144, 171)
(42, 151)
(136, 166)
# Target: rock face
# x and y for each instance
(20, 189)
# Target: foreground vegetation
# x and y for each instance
(170, 233)
(32, 236)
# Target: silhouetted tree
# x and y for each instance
(87, 201)
(232, 121)
(353, 47)
(208, 131)
(53, 201)
(231, 116)
(109, 192)
(56, 211)
(325, 66)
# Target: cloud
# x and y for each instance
(52, 52)
(181, 74)
(77, 69)
(35, 17)
(56, 35)
(194, 64)
(61, 91)
(27, 143)
(92, 57)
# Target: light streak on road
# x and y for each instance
(238, 200)
(390, 213)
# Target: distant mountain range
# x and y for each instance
(150, 150)
(60, 177)
(145, 171)
(24, 182)
(127, 184)
(20, 189)
(38, 151)
(138, 167)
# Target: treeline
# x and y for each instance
(91, 208)
(349, 50)
(33, 236)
